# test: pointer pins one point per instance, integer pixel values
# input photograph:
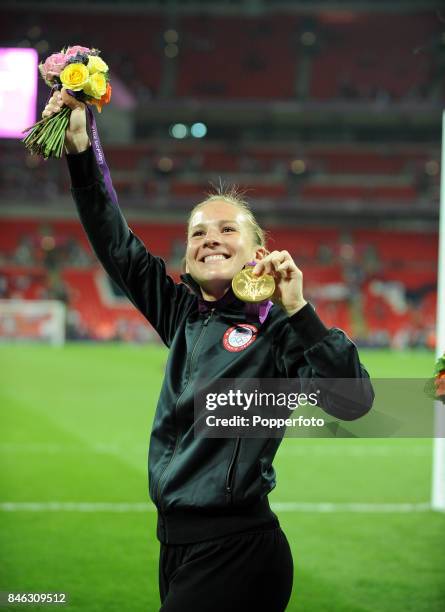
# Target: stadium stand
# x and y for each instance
(392, 275)
(377, 282)
(370, 173)
(261, 52)
(389, 67)
(257, 57)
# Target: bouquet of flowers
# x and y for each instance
(435, 387)
(85, 75)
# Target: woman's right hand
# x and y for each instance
(76, 136)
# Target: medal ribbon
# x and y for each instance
(99, 155)
(97, 147)
(260, 309)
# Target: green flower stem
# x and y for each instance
(60, 129)
(47, 136)
(53, 145)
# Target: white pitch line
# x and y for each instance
(350, 507)
(356, 451)
(76, 507)
(323, 507)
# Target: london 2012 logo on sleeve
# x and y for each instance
(239, 337)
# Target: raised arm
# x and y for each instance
(141, 275)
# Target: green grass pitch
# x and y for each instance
(75, 426)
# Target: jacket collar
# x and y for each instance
(229, 303)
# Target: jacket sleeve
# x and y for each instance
(140, 275)
(310, 351)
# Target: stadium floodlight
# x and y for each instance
(438, 476)
(198, 130)
(32, 321)
(179, 130)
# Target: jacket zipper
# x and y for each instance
(189, 370)
(231, 469)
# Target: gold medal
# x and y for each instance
(250, 288)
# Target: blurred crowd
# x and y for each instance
(381, 312)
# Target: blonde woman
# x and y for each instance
(221, 545)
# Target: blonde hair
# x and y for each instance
(236, 196)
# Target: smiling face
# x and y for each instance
(220, 243)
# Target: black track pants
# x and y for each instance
(237, 573)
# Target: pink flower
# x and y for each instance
(52, 66)
(75, 50)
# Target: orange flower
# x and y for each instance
(107, 95)
(440, 384)
(103, 100)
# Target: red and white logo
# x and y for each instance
(239, 337)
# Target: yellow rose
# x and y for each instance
(96, 64)
(96, 85)
(74, 76)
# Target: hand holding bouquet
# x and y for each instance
(76, 133)
(84, 75)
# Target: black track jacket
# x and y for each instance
(208, 487)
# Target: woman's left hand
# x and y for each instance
(288, 280)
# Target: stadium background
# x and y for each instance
(329, 114)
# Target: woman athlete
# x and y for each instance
(221, 546)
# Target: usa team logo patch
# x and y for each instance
(239, 337)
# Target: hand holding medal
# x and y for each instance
(276, 276)
(251, 288)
